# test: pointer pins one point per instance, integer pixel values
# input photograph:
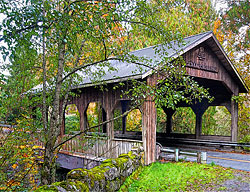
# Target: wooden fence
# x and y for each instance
(97, 146)
(100, 146)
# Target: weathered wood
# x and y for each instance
(82, 107)
(198, 125)
(204, 62)
(199, 109)
(169, 113)
(124, 108)
(101, 147)
(149, 117)
(234, 120)
(208, 67)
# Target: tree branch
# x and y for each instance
(103, 123)
(104, 60)
(33, 26)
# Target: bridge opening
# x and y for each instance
(118, 122)
(134, 121)
(72, 119)
(161, 121)
(216, 121)
(95, 116)
(184, 121)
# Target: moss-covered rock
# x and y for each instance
(79, 174)
(71, 185)
(108, 176)
(47, 188)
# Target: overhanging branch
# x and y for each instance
(103, 123)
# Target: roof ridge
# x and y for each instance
(207, 32)
(200, 34)
(152, 46)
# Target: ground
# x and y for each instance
(167, 175)
(241, 182)
(241, 168)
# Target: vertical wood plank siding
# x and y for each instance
(210, 60)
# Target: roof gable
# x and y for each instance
(125, 70)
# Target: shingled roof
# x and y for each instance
(126, 70)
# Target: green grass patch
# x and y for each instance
(185, 176)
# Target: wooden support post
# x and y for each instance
(110, 125)
(199, 109)
(149, 127)
(169, 113)
(198, 157)
(110, 134)
(198, 125)
(104, 118)
(234, 121)
(83, 120)
(62, 129)
(81, 107)
(124, 106)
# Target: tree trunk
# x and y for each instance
(52, 133)
(49, 165)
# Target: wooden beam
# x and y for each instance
(199, 109)
(124, 107)
(169, 113)
(81, 107)
(198, 125)
(104, 118)
(149, 127)
(234, 121)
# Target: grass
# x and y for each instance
(185, 176)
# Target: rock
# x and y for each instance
(108, 176)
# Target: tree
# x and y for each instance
(19, 169)
(68, 36)
(185, 17)
(233, 30)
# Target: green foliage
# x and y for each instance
(72, 124)
(216, 121)
(49, 41)
(94, 116)
(236, 17)
(18, 159)
(184, 120)
(117, 122)
(185, 16)
(236, 30)
(176, 177)
(134, 121)
(161, 121)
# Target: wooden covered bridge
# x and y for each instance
(206, 61)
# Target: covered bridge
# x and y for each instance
(206, 61)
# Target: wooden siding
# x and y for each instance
(208, 67)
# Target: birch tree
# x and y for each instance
(68, 36)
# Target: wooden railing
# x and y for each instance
(100, 146)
